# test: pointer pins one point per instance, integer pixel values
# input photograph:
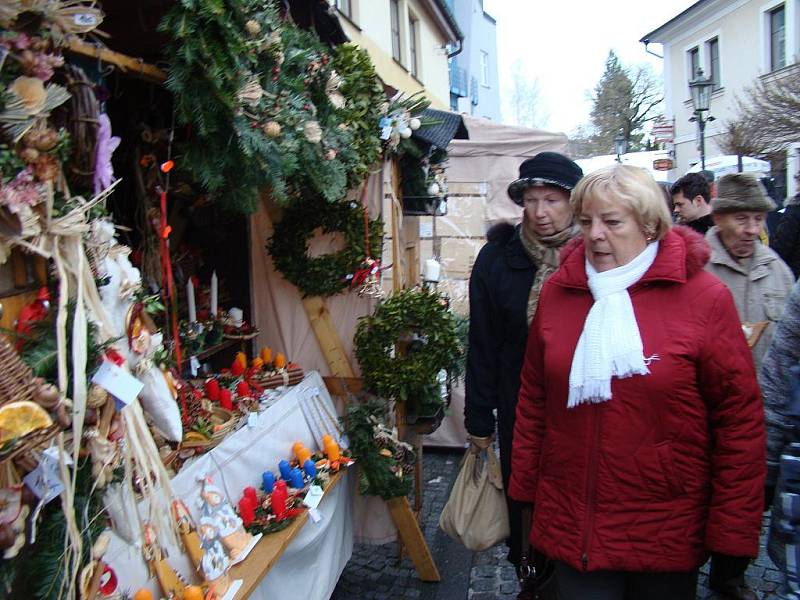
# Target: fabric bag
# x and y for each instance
(476, 513)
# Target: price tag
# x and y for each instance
(118, 382)
(313, 497)
(44, 480)
(252, 419)
(194, 366)
(85, 19)
(314, 515)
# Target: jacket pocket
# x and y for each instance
(773, 305)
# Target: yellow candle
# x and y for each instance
(266, 355)
(303, 455)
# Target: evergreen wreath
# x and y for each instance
(323, 275)
(419, 320)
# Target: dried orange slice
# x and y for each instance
(19, 418)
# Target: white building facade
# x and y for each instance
(735, 42)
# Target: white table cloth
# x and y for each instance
(310, 566)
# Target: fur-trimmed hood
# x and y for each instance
(682, 254)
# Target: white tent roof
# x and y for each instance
(722, 165)
(643, 160)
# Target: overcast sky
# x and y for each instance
(564, 43)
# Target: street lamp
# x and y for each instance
(701, 88)
(620, 144)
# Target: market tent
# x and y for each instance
(643, 160)
(729, 163)
(478, 173)
(491, 157)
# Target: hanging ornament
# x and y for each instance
(433, 189)
(414, 123)
(405, 133)
(272, 129)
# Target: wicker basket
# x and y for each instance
(223, 421)
(294, 375)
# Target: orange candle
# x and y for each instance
(266, 355)
(280, 361)
(332, 450)
(326, 439)
(303, 455)
(257, 364)
(241, 358)
(297, 446)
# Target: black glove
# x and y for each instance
(727, 577)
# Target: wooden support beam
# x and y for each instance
(398, 257)
(411, 536)
(134, 67)
(328, 337)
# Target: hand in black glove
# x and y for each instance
(727, 577)
(769, 496)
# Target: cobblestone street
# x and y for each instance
(374, 572)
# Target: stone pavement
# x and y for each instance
(375, 573)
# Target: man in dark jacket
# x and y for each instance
(786, 238)
(504, 289)
(691, 197)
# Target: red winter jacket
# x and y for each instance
(673, 465)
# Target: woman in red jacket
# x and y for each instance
(639, 436)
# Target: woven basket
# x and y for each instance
(268, 380)
(224, 421)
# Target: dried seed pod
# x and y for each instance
(47, 396)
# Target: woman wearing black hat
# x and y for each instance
(503, 291)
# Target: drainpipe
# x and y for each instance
(457, 51)
(645, 42)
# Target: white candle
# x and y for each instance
(214, 295)
(190, 301)
(432, 270)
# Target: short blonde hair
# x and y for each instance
(631, 186)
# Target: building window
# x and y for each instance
(484, 68)
(394, 10)
(345, 7)
(413, 32)
(713, 62)
(777, 38)
(694, 62)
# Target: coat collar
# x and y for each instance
(681, 254)
(515, 254)
(758, 267)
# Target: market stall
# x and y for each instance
(162, 427)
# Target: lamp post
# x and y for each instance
(620, 145)
(701, 88)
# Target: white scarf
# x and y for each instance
(610, 344)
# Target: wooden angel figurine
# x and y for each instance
(215, 506)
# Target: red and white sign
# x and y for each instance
(664, 132)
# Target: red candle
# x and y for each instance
(212, 390)
(242, 389)
(279, 496)
(237, 369)
(247, 510)
(250, 494)
(225, 400)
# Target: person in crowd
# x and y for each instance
(780, 384)
(639, 437)
(503, 292)
(691, 198)
(785, 239)
(756, 276)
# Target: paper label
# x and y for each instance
(118, 382)
(85, 19)
(194, 365)
(313, 497)
(252, 419)
(44, 480)
(314, 515)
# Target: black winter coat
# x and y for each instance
(786, 239)
(498, 330)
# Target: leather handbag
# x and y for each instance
(476, 513)
(537, 573)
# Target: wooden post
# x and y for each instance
(328, 337)
(397, 215)
(411, 536)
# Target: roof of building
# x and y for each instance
(656, 33)
(449, 18)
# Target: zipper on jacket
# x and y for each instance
(590, 486)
